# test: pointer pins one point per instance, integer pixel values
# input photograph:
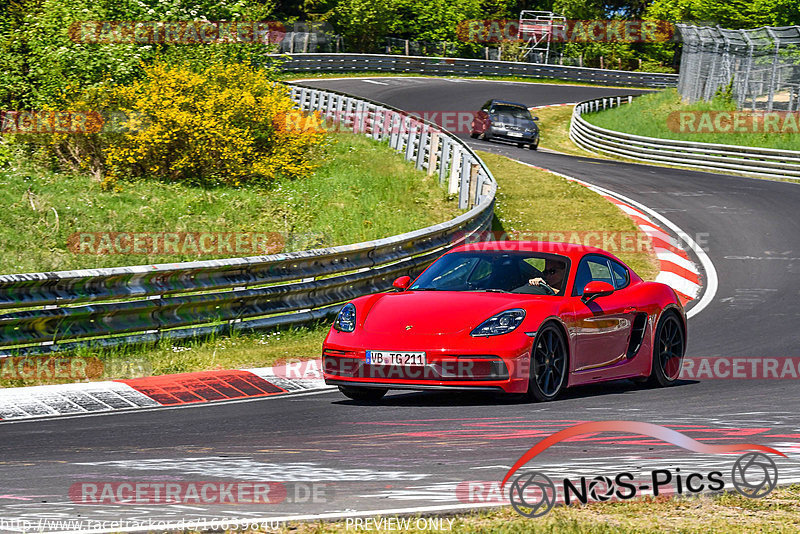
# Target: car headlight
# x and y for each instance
(346, 320)
(501, 323)
(499, 125)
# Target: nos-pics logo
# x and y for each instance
(533, 494)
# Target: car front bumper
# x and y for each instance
(477, 363)
(509, 135)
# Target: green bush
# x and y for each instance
(229, 124)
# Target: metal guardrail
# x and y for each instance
(439, 66)
(767, 162)
(108, 307)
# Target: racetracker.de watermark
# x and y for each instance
(158, 492)
(613, 242)
(196, 243)
(51, 122)
(734, 122)
(740, 368)
(345, 121)
(570, 31)
(177, 32)
(71, 368)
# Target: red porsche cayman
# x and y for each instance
(511, 316)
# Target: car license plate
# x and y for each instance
(514, 134)
(406, 359)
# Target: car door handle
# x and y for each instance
(629, 309)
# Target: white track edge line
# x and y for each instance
(114, 411)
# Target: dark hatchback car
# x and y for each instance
(506, 121)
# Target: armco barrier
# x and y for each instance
(441, 66)
(145, 303)
(766, 162)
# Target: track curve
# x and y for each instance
(414, 449)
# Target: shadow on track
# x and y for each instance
(481, 398)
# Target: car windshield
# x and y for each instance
(518, 112)
(495, 271)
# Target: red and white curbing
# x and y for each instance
(675, 268)
(158, 391)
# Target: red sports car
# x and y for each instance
(519, 317)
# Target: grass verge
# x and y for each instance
(778, 512)
(554, 130)
(382, 194)
(529, 200)
(649, 115)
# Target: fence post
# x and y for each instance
(773, 77)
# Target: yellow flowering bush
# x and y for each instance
(229, 124)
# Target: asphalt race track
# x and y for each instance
(417, 450)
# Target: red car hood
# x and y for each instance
(436, 312)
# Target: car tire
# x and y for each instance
(520, 145)
(549, 364)
(533, 146)
(363, 394)
(669, 345)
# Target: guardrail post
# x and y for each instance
(346, 113)
(411, 140)
(363, 118)
(377, 123)
(303, 93)
(445, 159)
(433, 157)
(394, 132)
(356, 116)
(473, 183)
(455, 168)
(463, 190)
(423, 145)
(339, 107)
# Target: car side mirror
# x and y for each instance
(536, 118)
(402, 283)
(596, 289)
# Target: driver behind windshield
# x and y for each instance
(553, 272)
